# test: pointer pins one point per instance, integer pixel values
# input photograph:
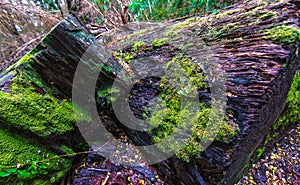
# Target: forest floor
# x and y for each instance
(279, 166)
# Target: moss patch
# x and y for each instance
(32, 169)
(262, 16)
(283, 34)
(292, 112)
(229, 12)
(32, 106)
(159, 42)
(180, 111)
(42, 115)
(138, 45)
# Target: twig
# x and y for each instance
(106, 179)
(60, 156)
(92, 6)
(98, 170)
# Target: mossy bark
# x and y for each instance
(254, 43)
(35, 102)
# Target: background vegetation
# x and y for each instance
(23, 23)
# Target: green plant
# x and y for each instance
(291, 113)
(107, 93)
(21, 160)
(259, 152)
(158, 10)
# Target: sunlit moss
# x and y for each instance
(182, 25)
(124, 56)
(138, 33)
(230, 27)
(42, 115)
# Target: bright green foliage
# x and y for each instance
(29, 110)
(125, 56)
(178, 106)
(283, 34)
(33, 170)
(158, 10)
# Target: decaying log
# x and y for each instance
(259, 62)
(254, 43)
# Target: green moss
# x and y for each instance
(230, 27)
(138, 45)
(214, 33)
(39, 114)
(176, 112)
(138, 33)
(17, 150)
(125, 56)
(31, 106)
(159, 42)
(25, 59)
(107, 94)
(183, 25)
(259, 152)
(262, 16)
(283, 34)
(229, 12)
(292, 113)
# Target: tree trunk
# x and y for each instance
(249, 53)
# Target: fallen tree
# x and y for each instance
(249, 49)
